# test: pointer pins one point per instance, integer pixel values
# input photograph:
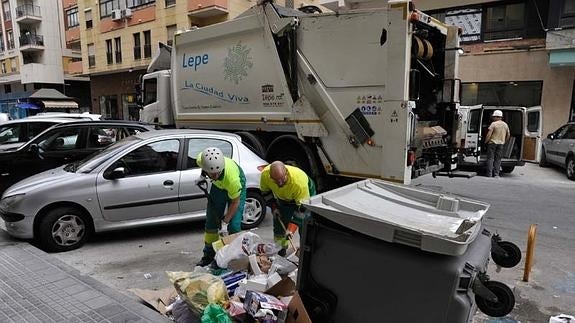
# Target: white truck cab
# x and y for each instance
(524, 123)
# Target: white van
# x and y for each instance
(524, 145)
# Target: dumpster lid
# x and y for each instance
(427, 220)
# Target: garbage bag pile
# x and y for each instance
(251, 283)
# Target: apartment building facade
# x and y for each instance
(119, 38)
(516, 52)
(35, 53)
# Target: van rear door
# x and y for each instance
(532, 139)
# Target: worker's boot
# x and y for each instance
(208, 258)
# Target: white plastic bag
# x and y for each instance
(237, 249)
(562, 318)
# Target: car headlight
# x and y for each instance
(9, 202)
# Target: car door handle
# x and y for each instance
(168, 183)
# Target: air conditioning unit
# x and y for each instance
(116, 14)
(128, 12)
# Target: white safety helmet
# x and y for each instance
(212, 160)
(497, 113)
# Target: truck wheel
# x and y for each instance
(63, 229)
(254, 210)
(512, 256)
(543, 160)
(505, 300)
(570, 168)
(253, 143)
(508, 169)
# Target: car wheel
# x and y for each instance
(543, 160)
(570, 168)
(63, 229)
(254, 210)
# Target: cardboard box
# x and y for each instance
(296, 310)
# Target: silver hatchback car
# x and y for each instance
(559, 149)
(146, 179)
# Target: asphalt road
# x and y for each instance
(530, 195)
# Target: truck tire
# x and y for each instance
(254, 210)
(63, 229)
(543, 160)
(253, 143)
(508, 169)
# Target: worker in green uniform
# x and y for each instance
(290, 186)
(228, 189)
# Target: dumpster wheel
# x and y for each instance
(510, 258)
(505, 300)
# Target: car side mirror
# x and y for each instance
(551, 136)
(117, 173)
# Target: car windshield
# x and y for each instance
(89, 163)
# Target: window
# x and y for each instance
(99, 137)
(4, 68)
(469, 20)
(7, 88)
(147, 44)
(61, 139)
(570, 134)
(36, 128)
(523, 93)
(91, 55)
(150, 91)
(72, 18)
(138, 3)
(88, 14)
(10, 133)
(170, 3)
(157, 157)
(107, 6)
(137, 46)
(569, 8)
(6, 10)
(118, 44)
(504, 22)
(473, 123)
(14, 64)
(2, 48)
(171, 30)
(533, 121)
(196, 146)
(109, 57)
(10, 37)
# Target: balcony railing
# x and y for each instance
(31, 40)
(28, 10)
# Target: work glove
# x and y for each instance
(223, 229)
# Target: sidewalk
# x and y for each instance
(37, 287)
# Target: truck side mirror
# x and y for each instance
(414, 78)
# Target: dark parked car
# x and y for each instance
(62, 144)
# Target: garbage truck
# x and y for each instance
(356, 93)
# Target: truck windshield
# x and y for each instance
(150, 91)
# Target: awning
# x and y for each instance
(562, 57)
(27, 105)
(50, 104)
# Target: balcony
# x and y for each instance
(28, 14)
(207, 8)
(31, 43)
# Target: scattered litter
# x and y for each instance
(147, 275)
(119, 277)
(140, 246)
(554, 228)
(183, 252)
(167, 242)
